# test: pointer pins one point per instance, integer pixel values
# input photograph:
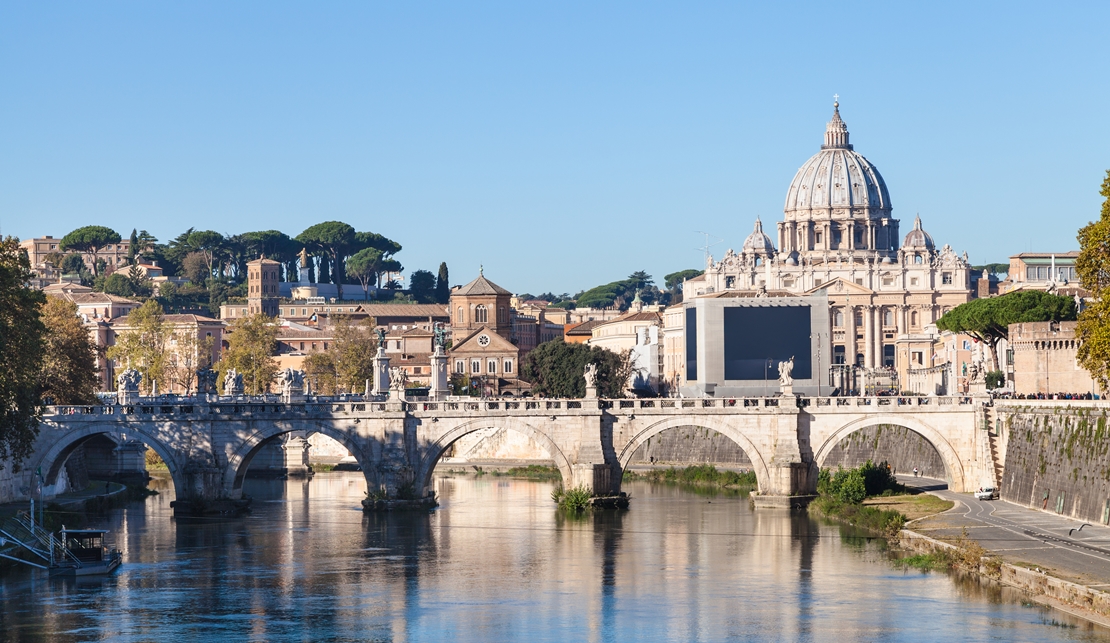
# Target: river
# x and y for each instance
(497, 562)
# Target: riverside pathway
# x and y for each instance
(1020, 535)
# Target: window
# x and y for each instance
(759, 261)
(398, 344)
(913, 281)
(480, 314)
(313, 345)
(859, 318)
(730, 282)
(302, 346)
(1031, 273)
(859, 281)
(888, 317)
(304, 311)
(888, 355)
(859, 237)
(501, 316)
(508, 366)
(460, 366)
(838, 319)
(888, 281)
(475, 366)
(836, 236)
(491, 366)
(818, 237)
(916, 358)
(918, 259)
(913, 319)
(946, 278)
(459, 315)
(838, 354)
(325, 346)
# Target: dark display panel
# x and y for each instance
(758, 338)
(691, 344)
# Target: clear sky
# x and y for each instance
(562, 145)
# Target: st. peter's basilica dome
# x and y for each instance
(837, 177)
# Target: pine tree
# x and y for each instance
(133, 248)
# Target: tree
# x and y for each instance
(133, 247)
(335, 240)
(69, 371)
(365, 265)
(272, 244)
(143, 345)
(190, 352)
(988, 320)
(674, 280)
(195, 268)
(993, 268)
(422, 286)
(115, 284)
(206, 242)
(354, 349)
(90, 240)
(250, 348)
(321, 372)
(557, 369)
(639, 280)
(443, 285)
(1093, 269)
(22, 346)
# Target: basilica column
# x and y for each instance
(869, 336)
(849, 334)
(851, 231)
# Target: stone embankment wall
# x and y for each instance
(688, 445)
(898, 446)
(1057, 458)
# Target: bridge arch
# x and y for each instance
(433, 451)
(55, 457)
(713, 423)
(953, 466)
(239, 460)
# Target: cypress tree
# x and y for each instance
(443, 288)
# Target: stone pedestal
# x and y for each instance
(381, 373)
(591, 392)
(440, 386)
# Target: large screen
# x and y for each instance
(757, 338)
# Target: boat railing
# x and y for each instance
(32, 538)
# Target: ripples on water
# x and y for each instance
(496, 562)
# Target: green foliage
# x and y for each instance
(1093, 269)
(993, 268)
(335, 240)
(700, 474)
(251, 343)
(988, 320)
(22, 347)
(422, 286)
(995, 379)
(883, 522)
(115, 284)
(675, 279)
(366, 266)
(574, 500)
(557, 369)
(852, 486)
(90, 240)
(443, 284)
(69, 363)
(143, 345)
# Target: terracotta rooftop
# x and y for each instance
(481, 286)
(585, 328)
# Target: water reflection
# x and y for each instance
(497, 562)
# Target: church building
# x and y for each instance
(482, 350)
(838, 236)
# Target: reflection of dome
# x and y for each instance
(837, 177)
(758, 242)
(917, 238)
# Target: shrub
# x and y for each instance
(576, 499)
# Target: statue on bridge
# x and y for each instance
(206, 380)
(292, 382)
(233, 382)
(128, 386)
(439, 342)
(398, 378)
(786, 370)
(591, 380)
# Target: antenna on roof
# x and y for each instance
(708, 245)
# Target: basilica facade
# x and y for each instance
(838, 236)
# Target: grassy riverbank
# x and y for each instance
(870, 498)
(703, 475)
(530, 472)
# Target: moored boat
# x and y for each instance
(81, 552)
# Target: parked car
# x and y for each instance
(986, 493)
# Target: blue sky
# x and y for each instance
(562, 145)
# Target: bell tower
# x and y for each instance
(263, 276)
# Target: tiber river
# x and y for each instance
(496, 562)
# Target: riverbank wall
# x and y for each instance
(898, 446)
(1077, 600)
(1056, 455)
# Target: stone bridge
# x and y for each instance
(208, 446)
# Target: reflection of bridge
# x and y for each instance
(209, 446)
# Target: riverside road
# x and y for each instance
(1021, 535)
